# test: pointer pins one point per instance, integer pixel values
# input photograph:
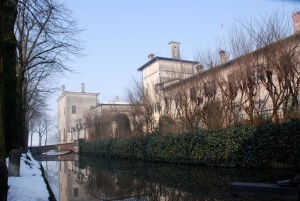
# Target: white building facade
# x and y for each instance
(71, 109)
(160, 72)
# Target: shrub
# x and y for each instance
(272, 145)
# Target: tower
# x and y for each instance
(296, 21)
(174, 49)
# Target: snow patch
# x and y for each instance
(30, 185)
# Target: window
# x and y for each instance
(75, 192)
(158, 106)
(259, 73)
(146, 93)
(261, 106)
(158, 87)
(231, 79)
(59, 134)
(178, 99)
(167, 103)
(236, 111)
(65, 166)
(73, 109)
(286, 64)
(193, 94)
(232, 84)
(210, 88)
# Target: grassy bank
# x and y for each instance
(272, 145)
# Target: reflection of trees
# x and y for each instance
(105, 184)
(51, 171)
(156, 181)
(52, 174)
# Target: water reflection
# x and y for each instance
(102, 179)
(52, 174)
(72, 181)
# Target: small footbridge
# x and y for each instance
(69, 149)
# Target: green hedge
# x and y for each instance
(272, 145)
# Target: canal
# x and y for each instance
(92, 178)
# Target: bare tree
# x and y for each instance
(217, 90)
(89, 123)
(113, 122)
(142, 112)
(42, 127)
(47, 36)
(272, 66)
(180, 105)
(99, 126)
(264, 73)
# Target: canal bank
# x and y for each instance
(31, 184)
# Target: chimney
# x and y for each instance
(198, 68)
(63, 88)
(296, 22)
(82, 87)
(151, 56)
(222, 56)
(174, 49)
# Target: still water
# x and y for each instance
(110, 179)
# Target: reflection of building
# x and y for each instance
(97, 184)
(71, 109)
(108, 183)
(84, 184)
(71, 182)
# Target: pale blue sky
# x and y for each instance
(119, 34)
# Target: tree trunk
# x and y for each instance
(2, 133)
(46, 137)
(31, 140)
(10, 94)
(7, 61)
(3, 181)
(40, 139)
(8, 76)
(20, 108)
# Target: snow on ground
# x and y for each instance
(30, 185)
